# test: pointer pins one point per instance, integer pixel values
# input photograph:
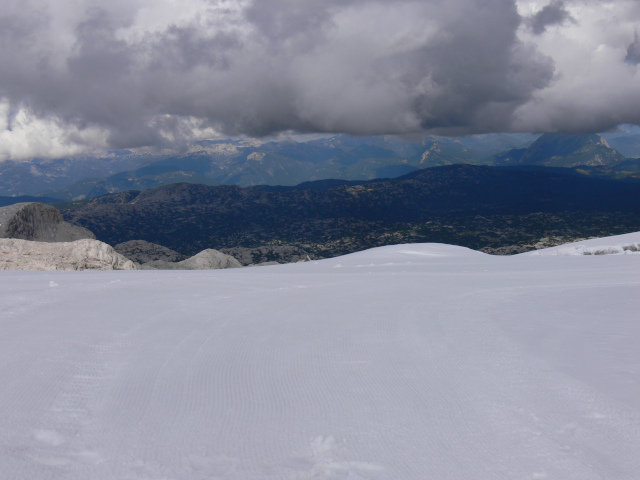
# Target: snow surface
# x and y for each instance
(620, 244)
(403, 362)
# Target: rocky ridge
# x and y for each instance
(141, 251)
(85, 254)
(271, 254)
(34, 236)
(40, 223)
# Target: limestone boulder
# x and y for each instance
(205, 260)
(86, 254)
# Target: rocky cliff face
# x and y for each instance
(40, 223)
(86, 254)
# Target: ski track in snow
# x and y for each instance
(403, 362)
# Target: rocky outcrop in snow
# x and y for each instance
(205, 260)
(38, 222)
(86, 254)
(268, 254)
(141, 251)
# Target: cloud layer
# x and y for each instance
(136, 73)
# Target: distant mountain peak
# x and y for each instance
(603, 141)
(570, 150)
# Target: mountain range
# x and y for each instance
(476, 206)
(246, 163)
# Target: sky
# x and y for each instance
(82, 76)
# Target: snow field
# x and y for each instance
(403, 362)
(616, 245)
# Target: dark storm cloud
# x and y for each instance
(482, 72)
(256, 68)
(553, 14)
(310, 68)
(282, 19)
(633, 52)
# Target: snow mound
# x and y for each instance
(406, 253)
(614, 245)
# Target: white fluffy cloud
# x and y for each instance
(24, 135)
(82, 74)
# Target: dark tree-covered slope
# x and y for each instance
(189, 218)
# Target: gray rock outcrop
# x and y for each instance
(268, 255)
(205, 260)
(38, 222)
(86, 254)
(141, 251)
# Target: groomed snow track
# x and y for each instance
(403, 362)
